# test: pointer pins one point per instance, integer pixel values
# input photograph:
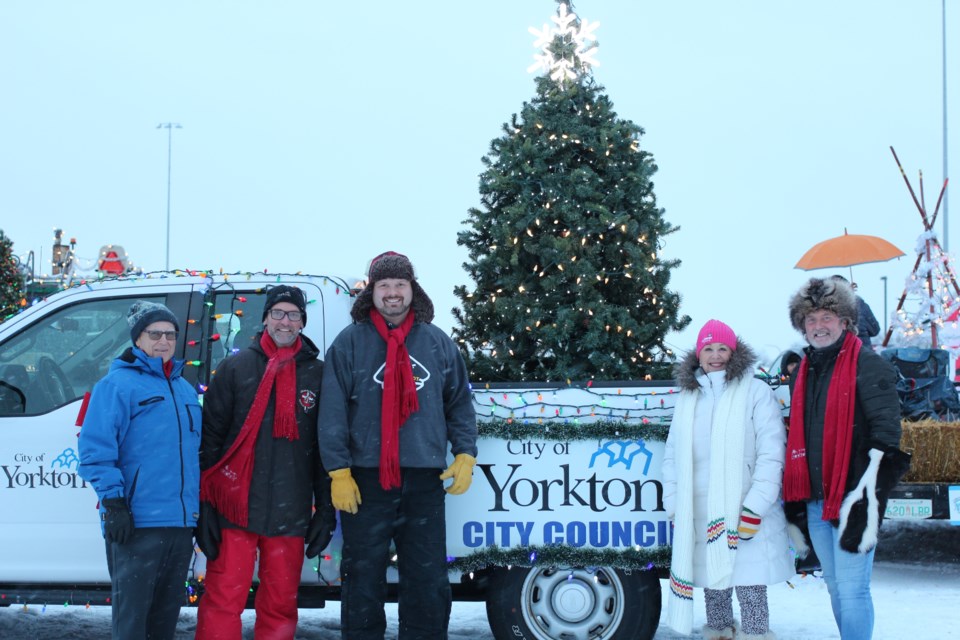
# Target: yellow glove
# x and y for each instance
(461, 470)
(344, 491)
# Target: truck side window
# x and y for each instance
(60, 358)
(237, 332)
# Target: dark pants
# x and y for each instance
(147, 576)
(413, 517)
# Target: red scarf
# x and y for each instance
(399, 396)
(226, 485)
(837, 431)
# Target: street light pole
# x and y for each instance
(169, 126)
(884, 278)
(946, 215)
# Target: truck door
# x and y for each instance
(49, 529)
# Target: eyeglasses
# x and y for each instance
(156, 335)
(292, 316)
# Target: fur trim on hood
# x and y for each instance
(827, 294)
(741, 364)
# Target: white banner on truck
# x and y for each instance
(581, 493)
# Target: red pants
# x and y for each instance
(228, 580)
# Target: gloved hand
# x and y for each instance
(749, 524)
(344, 491)
(207, 532)
(117, 520)
(319, 533)
(461, 470)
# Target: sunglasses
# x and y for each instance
(156, 335)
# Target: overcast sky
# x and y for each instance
(316, 135)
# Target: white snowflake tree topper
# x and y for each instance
(559, 66)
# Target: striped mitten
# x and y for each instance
(749, 524)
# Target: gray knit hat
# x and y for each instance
(143, 313)
(827, 294)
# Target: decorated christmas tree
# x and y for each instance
(11, 280)
(565, 253)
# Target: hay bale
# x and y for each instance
(936, 451)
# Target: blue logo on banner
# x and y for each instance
(619, 451)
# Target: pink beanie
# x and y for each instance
(716, 331)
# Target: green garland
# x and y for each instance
(599, 430)
(563, 556)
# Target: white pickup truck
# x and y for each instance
(562, 533)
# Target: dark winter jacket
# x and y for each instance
(349, 423)
(287, 475)
(140, 438)
(867, 325)
(876, 425)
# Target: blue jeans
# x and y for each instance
(847, 576)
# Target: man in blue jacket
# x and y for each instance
(139, 450)
(395, 395)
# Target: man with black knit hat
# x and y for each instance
(138, 450)
(843, 454)
(262, 475)
(395, 394)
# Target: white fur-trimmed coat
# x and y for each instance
(766, 558)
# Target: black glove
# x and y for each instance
(207, 532)
(320, 532)
(117, 520)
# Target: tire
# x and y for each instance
(573, 604)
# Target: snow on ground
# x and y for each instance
(916, 593)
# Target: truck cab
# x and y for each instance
(54, 352)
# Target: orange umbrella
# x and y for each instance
(846, 251)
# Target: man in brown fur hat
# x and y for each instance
(394, 395)
(844, 420)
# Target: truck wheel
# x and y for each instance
(563, 604)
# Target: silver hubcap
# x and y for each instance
(568, 604)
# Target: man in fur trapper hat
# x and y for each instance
(843, 455)
(394, 395)
(392, 265)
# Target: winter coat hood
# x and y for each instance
(741, 364)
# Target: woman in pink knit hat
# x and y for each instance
(722, 473)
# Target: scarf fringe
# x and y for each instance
(224, 499)
(285, 426)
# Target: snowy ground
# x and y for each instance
(916, 593)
